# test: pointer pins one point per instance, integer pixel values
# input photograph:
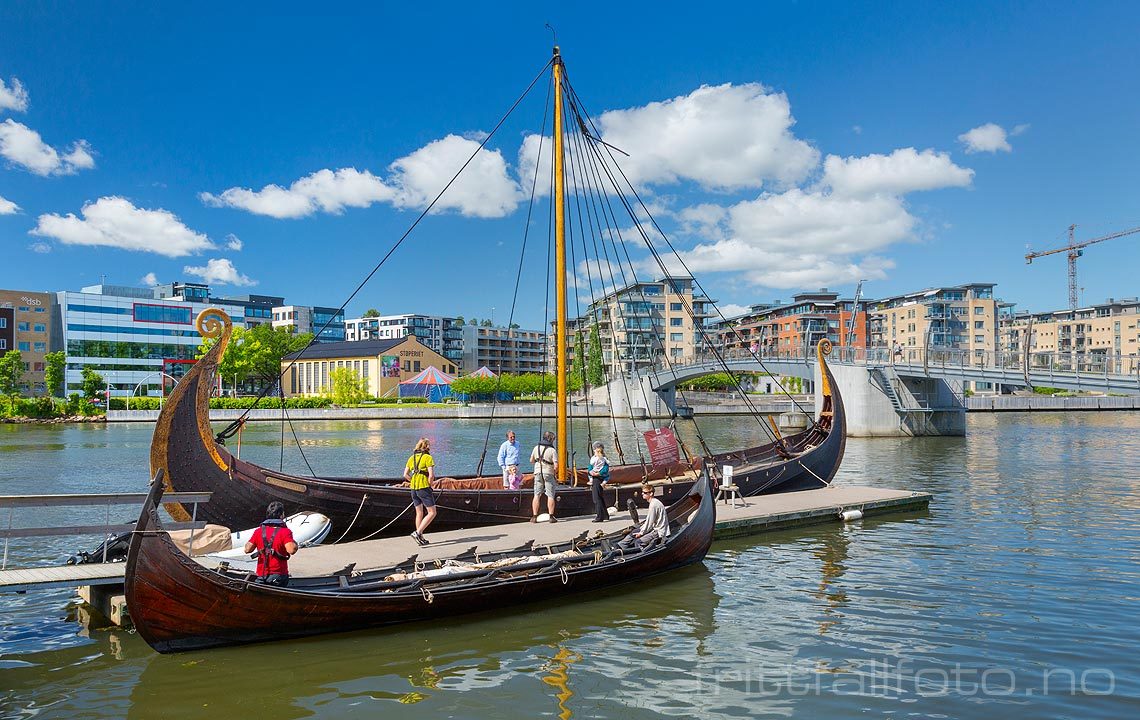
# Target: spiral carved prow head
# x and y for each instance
(825, 347)
(212, 323)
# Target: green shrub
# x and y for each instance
(135, 403)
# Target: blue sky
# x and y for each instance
(783, 146)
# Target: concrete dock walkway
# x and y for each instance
(757, 515)
(751, 516)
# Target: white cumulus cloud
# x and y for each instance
(7, 207)
(22, 146)
(218, 271)
(722, 137)
(14, 97)
(149, 280)
(233, 242)
(990, 138)
(729, 310)
(330, 191)
(904, 170)
(40, 247)
(484, 189)
(115, 222)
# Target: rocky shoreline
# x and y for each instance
(55, 420)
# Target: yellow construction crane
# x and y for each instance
(1074, 251)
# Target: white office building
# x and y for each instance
(136, 338)
(439, 333)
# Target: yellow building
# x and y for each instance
(962, 317)
(1103, 336)
(382, 363)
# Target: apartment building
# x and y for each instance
(442, 334)
(960, 317)
(797, 326)
(503, 349)
(28, 323)
(326, 323)
(1110, 330)
(381, 363)
(641, 322)
(141, 340)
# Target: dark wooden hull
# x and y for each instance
(185, 449)
(177, 604)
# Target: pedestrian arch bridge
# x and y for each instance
(914, 391)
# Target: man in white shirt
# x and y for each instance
(656, 523)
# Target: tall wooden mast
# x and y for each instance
(560, 339)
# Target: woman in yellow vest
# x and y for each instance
(420, 472)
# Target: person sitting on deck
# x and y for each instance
(274, 543)
(655, 526)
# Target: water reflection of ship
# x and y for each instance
(832, 555)
(421, 663)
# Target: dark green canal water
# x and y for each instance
(1017, 595)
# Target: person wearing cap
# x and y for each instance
(274, 544)
(599, 476)
(545, 459)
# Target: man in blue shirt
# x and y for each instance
(508, 456)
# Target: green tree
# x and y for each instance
(11, 371)
(346, 387)
(371, 313)
(578, 364)
(93, 384)
(515, 326)
(54, 372)
(458, 320)
(255, 353)
(594, 370)
(486, 323)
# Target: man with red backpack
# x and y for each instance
(274, 543)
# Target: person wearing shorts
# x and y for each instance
(545, 459)
(420, 472)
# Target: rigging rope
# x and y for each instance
(518, 280)
(232, 427)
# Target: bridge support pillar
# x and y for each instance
(919, 406)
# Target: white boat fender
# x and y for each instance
(851, 515)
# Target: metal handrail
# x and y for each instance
(87, 499)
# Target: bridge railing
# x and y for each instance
(1039, 365)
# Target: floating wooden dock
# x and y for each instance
(751, 516)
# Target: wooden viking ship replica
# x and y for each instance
(192, 458)
(179, 604)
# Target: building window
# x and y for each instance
(41, 347)
(38, 367)
(979, 324)
(39, 309)
(416, 366)
(676, 322)
(39, 327)
(676, 337)
(3, 344)
(162, 314)
(22, 327)
(24, 347)
(979, 338)
(3, 323)
(676, 307)
(979, 310)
